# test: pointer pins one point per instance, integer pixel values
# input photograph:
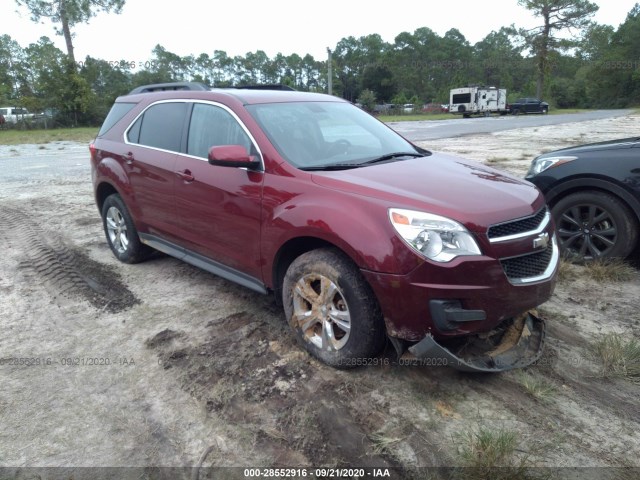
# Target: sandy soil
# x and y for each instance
(162, 364)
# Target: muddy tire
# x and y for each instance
(594, 225)
(121, 232)
(332, 309)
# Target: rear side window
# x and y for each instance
(118, 111)
(160, 126)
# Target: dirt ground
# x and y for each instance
(161, 364)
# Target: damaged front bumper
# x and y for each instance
(515, 343)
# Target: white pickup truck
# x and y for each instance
(14, 115)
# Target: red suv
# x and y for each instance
(361, 235)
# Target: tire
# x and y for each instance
(545, 111)
(121, 232)
(593, 225)
(516, 112)
(346, 328)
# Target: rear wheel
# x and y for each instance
(332, 310)
(121, 232)
(593, 225)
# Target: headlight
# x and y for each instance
(437, 238)
(539, 165)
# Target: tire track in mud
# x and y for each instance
(249, 372)
(64, 270)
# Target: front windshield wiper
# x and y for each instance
(347, 166)
(391, 156)
(331, 166)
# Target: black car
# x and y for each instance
(594, 194)
(528, 105)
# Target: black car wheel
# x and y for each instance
(121, 232)
(332, 310)
(594, 225)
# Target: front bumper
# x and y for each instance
(515, 343)
(469, 296)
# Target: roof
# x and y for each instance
(245, 95)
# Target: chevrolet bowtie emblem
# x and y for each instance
(542, 241)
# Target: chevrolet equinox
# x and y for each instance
(363, 236)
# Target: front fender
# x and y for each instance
(358, 226)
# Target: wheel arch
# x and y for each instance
(557, 193)
(103, 190)
(291, 250)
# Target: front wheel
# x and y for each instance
(121, 232)
(593, 224)
(332, 310)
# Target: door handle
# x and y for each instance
(128, 157)
(185, 175)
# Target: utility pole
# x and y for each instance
(330, 73)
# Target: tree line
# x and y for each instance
(599, 68)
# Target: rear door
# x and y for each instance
(152, 145)
(219, 208)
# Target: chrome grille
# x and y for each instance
(517, 227)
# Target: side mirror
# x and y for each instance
(232, 156)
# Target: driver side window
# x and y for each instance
(213, 126)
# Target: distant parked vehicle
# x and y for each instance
(14, 115)
(431, 108)
(467, 101)
(528, 105)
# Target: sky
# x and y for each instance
(191, 27)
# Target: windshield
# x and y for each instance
(313, 135)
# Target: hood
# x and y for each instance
(468, 192)
(592, 147)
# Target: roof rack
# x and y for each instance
(196, 86)
(160, 87)
(266, 87)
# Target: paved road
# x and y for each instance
(435, 129)
(59, 159)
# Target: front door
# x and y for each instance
(219, 208)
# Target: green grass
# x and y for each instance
(558, 111)
(382, 443)
(487, 453)
(567, 271)
(620, 356)
(497, 160)
(18, 137)
(610, 270)
(534, 385)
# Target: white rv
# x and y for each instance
(469, 101)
